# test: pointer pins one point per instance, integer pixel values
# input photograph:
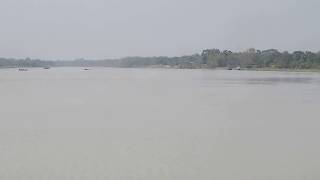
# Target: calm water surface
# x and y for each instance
(161, 124)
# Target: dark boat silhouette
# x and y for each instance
(22, 69)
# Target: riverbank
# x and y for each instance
(178, 67)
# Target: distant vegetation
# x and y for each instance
(210, 58)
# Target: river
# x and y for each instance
(158, 124)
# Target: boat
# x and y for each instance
(46, 68)
(23, 69)
(86, 69)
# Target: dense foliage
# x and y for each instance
(262, 59)
(211, 58)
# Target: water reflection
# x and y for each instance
(277, 80)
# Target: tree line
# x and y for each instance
(209, 58)
(270, 58)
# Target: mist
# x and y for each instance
(97, 29)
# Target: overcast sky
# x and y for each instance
(68, 29)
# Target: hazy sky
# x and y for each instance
(117, 28)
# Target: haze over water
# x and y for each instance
(162, 124)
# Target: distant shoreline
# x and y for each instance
(252, 59)
(167, 67)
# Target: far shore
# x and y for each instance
(172, 67)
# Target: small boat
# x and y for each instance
(238, 68)
(46, 68)
(23, 69)
(86, 69)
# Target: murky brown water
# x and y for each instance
(144, 124)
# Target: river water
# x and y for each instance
(159, 124)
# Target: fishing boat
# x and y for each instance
(23, 69)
